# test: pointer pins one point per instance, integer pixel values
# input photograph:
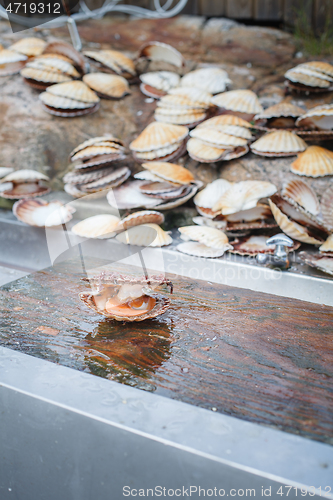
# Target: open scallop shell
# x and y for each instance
(128, 196)
(25, 175)
(203, 153)
(222, 120)
(65, 49)
(318, 261)
(11, 62)
(327, 246)
(211, 237)
(24, 190)
(278, 143)
(254, 245)
(212, 136)
(111, 180)
(285, 109)
(177, 202)
(107, 86)
(94, 141)
(58, 102)
(100, 226)
(320, 67)
(291, 228)
(308, 78)
(160, 80)
(54, 64)
(97, 150)
(298, 191)
(158, 135)
(319, 118)
(210, 195)
(243, 196)
(40, 213)
(79, 178)
(113, 60)
(314, 162)
(327, 207)
(30, 46)
(159, 51)
(76, 90)
(189, 118)
(242, 101)
(213, 80)
(139, 218)
(41, 78)
(141, 236)
(197, 249)
(5, 171)
(170, 171)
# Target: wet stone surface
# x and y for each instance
(254, 356)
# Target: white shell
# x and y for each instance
(54, 64)
(10, 56)
(328, 245)
(161, 80)
(40, 213)
(5, 171)
(142, 235)
(213, 80)
(279, 143)
(200, 250)
(128, 196)
(299, 192)
(210, 195)
(159, 51)
(242, 101)
(243, 196)
(201, 152)
(197, 96)
(62, 102)
(100, 226)
(25, 175)
(211, 237)
(216, 138)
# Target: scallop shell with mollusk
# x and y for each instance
(300, 193)
(213, 136)
(314, 162)
(211, 237)
(211, 79)
(242, 101)
(40, 213)
(159, 51)
(145, 235)
(170, 171)
(158, 135)
(139, 218)
(199, 151)
(161, 80)
(30, 46)
(254, 245)
(243, 196)
(107, 86)
(278, 143)
(320, 118)
(100, 226)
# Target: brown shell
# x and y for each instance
(315, 161)
(170, 171)
(256, 244)
(318, 261)
(30, 211)
(26, 190)
(141, 217)
(107, 86)
(300, 193)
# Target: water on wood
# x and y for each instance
(255, 356)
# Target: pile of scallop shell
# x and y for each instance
(160, 142)
(140, 228)
(163, 185)
(223, 137)
(24, 183)
(126, 298)
(315, 76)
(94, 167)
(69, 99)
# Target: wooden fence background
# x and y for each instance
(316, 11)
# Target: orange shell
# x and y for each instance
(314, 162)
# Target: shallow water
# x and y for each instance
(259, 357)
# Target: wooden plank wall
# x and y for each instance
(318, 12)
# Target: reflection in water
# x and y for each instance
(134, 350)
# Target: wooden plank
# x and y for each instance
(297, 10)
(268, 9)
(212, 7)
(322, 15)
(255, 356)
(239, 9)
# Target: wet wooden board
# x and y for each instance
(255, 356)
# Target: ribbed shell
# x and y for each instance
(10, 56)
(159, 51)
(327, 207)
(118, 62)
(158, 153)
(161, 80)
(304, 70)
(177, 202)
(180, 101)
(79, 178)
(170, 171)
(108, 85)
(92, 151)
(44, 75)
(243, 101)
(285, 109)
(53, 64)
(62, 102)
(128, 196)
(321, 117)
(172, 115)
(259, 212)
(40, 213)
(299, 192)
(111, 180)
(328, 245)
(291, 228)
(75, 90)
(141, 217)
(201, 250)
(211, 237)
(216, 138)
(322, 262)
(25, 175)
(211, 194)
(314, 162)
(234, 130)
(308, 79)
(158, 135)
(198, 96)
(213, 80)
(225, 120)
(319, 66)
(200, 151)
(278, 143)
(142, 236)
(100, 226)
(65, 49)
(29, 46)
(243, 196)
(94, 141)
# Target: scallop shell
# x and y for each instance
(197, 96)
(109, 181)
(252, 245)
(40, 213)
(285, 109)
(75, 90)
(214, 137)
(55, 65)
(298, 191)
(25, 175)
(221, 120)
(291, 228)
(199, 151)
(177, 202)
(159, 51)
(44, 75)
(234, 130)
(242, 101)
(142, 235)
(158, 135)
(71, 113)
(259, 212)
(309, 79)
(65, 49)
(278, 143)
(170, 171)
(200, 250)
(94, 141)
(235, 153)
(58, 102)
(321, 262)
(314, 162)
(100, 226)
(159, 187)
(161, 80)
(210, 195)
(204, 221)
(157, 153)
(105, 85)
(139, 218)
(327, 207)
(128, 196)
(328, 245)
(320, 67)
(57, 57)
(24, 190)
(243, 196)
(79, 178)
(213, 80)
(11, 62)
(99, 162)
(29, 46)
(173, 115)
(180, 102)
(305, 70)
(145, 175)
(211, 237)
(5, 171)
(116, 61)
(320, 117)
(91, 151)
